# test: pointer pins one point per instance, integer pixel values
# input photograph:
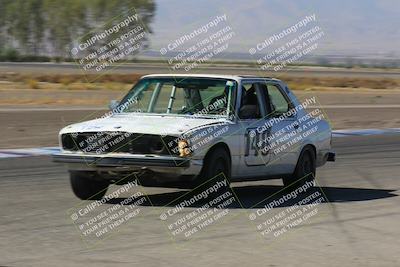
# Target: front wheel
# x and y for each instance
(85, 185)
(217, 167)
(305, 169)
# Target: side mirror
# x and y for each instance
(113, 104)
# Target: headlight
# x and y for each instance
(184, 149)
(68, 142)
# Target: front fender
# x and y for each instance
(202, 139)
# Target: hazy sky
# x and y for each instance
(350, 26)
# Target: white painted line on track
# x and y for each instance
(28, 152)
(364, 132)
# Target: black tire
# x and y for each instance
(305, 169)
(216, 162)
(86, 187)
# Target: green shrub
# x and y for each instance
(9, 54)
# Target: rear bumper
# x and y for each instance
(331, 156)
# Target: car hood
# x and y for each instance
(144, 124)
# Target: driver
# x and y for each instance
(220, 101)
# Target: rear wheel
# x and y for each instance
(85, 185)
(305, 169)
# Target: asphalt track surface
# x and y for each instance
(357, 226)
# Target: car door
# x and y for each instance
(251, 118)
(265, 151)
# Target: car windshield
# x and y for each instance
(186, 96)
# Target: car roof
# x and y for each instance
(221, 76)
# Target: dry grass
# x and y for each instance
(125, 81)
(70, 81)
(67, 79)
(308, 83)
(32, 83)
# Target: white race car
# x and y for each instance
(183, 130)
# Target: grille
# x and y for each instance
(119, 142)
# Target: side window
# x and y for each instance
(279, 104)
(250, 107)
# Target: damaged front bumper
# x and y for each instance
(121, 162)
